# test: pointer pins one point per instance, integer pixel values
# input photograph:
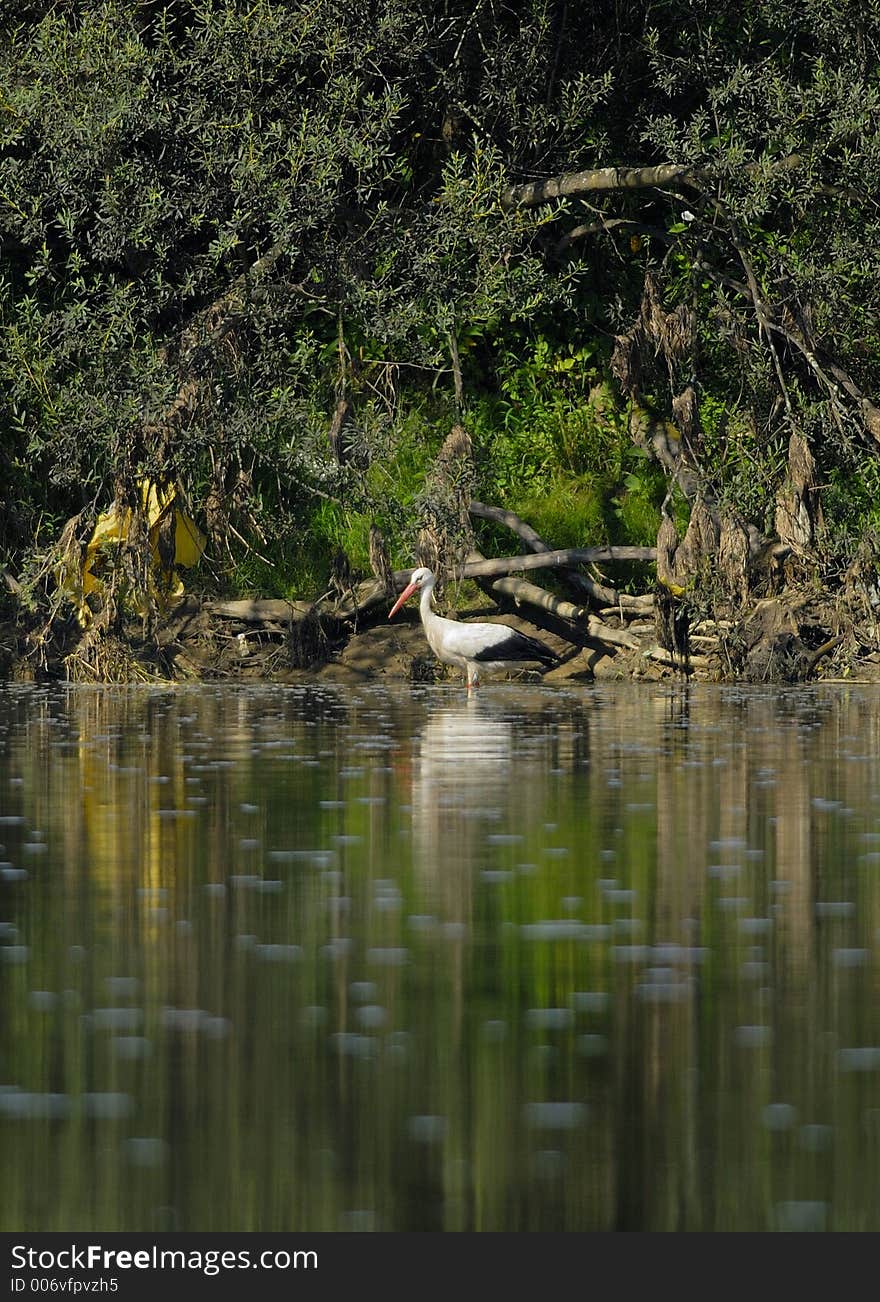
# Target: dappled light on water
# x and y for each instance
(314, 959)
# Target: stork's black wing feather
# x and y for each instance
(517, 647)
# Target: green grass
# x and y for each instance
(571, 511)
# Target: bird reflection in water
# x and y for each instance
(460, 791)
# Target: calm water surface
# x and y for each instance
(302, 958)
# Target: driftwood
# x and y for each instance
(261, 610)
(524, 593)
(632, 608)
(529, 594)
(573, 623)
(664, 657)
(358, 600)
(579, 582)
(551, 560)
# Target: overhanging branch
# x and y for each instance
(571, 184)
(600, 178)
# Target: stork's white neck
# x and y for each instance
(425, 598)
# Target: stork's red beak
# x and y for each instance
(404, 596)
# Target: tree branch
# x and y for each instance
(571, 184)
(579, 582)
(550, 560)
(608, 224)
(761, 312)
(600, 178)
(828, 372)
(529, 594)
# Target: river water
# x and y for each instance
(313, 958)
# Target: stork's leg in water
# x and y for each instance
(473, 677)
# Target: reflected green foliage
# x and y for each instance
(310, 960)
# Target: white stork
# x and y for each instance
(472, 647)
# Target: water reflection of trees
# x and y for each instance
(281, 862)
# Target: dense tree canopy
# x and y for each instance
(272, 250)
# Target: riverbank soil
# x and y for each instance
(790, 638)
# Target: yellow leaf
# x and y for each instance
(113, 527)
(156, 500)
(189, 541)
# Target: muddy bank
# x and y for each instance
(782, 639)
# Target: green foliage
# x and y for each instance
(748, 465)
(253, 210)
(538, 419)
(149, 156)
(637, 508)
(570, 512)
(851, 500)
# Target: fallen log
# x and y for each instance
(531, 595)
(630, 607)
(362, 598)
(524, 593)
(545, 560)
(685, 664)
(260, 610)
(600, 632)
(579, 582)
(552, 560)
